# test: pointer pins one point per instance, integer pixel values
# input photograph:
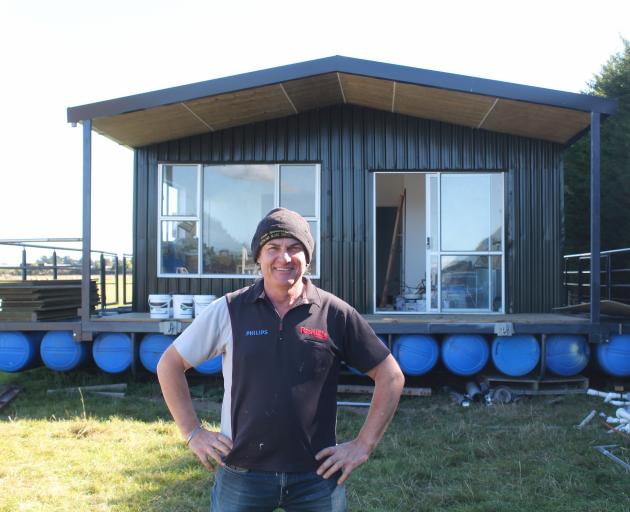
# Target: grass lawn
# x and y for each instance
(82, 453)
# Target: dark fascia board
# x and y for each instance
(339, 64)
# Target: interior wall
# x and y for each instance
(414, 255)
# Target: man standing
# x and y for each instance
(282, 341)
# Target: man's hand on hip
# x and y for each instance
(346, 457)
(210, 445)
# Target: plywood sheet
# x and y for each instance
(367, 92)
(441, 104)
(314, 92)
(243, 107)
(150, 126)
(537, 121)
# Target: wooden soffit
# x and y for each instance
(217, 112)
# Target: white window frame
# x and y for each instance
(199, 218)
(440, 253)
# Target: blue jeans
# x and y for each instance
(241, 490)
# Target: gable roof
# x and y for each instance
(213, 105)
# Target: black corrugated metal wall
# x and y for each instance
(349, 142)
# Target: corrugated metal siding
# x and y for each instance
(349, 142)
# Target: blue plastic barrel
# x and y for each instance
(211, 366)
(416, 353)
(515, 355)
(152, 347)
(18, 350)
(614, 357)
(113, 351)
(465, 354)
(60, 352)
(566, 354)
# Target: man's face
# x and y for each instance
(282, 262)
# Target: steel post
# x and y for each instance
(87, 222)
(595, 218)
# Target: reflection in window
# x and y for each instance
(465, 282)
(472, 212)
(179, 190)
(298, 189)
(235, 198)
(179, 247)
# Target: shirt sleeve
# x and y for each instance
(207, 336)
(362, 348)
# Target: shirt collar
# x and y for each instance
(310, 294)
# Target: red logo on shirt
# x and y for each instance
(318, 334)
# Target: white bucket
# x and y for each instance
(159, 306)
(202, 302)
(182, 306)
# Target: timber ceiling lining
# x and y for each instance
(537, 121)
(367, 92)
(149, 126)
(242, 107)
(442, 105)
(315, 92)
(227, 110)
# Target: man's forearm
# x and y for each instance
(388, 385)
(176, 393)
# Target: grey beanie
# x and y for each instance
(283, 223)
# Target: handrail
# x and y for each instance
(615, 276)
(114, 269)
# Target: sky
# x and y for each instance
(72, 52)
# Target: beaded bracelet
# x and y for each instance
(193, 434)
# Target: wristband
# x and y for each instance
(193, 434)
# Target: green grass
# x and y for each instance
(60, 452)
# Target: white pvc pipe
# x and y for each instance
(607, 396)
(623, 414)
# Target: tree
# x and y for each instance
(613, 82)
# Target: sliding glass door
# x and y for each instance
(465, 242)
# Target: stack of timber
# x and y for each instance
(30, 301)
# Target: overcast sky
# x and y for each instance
(62, 53)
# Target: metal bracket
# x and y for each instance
(504, 329)
(78, 334)
(170, 327)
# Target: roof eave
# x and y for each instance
(339, 64)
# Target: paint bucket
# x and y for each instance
(515, 355)
(566, 354)
(152, 347)
(614, 357)
(465, 354)
(211, 366)
(416, 353)
(201, 302)
(60, 352)
(18, 350)
(182, 306)
(159, 306)
(113, 352)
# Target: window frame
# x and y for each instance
(198, 218)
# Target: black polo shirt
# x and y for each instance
(284, 372)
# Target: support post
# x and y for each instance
(54, 265)
(595, 218)
(24, 264)
(87, 224)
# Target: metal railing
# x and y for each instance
(615, 276)
(106, 264)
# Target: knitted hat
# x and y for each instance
(283, 223)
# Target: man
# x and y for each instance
(282, 341)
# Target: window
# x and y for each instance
(209, 214)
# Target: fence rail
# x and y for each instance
(614, 276)
(105, 265)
